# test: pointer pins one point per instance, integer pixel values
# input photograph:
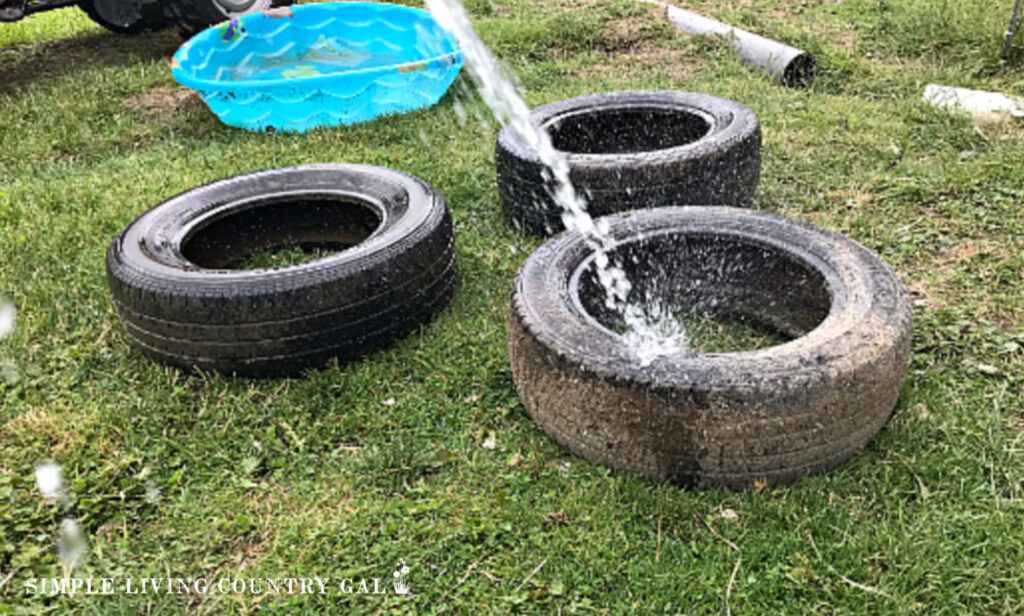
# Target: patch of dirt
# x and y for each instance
(626, 32)
(921, 294)
(844, 38)
(676, 63)
(641, 42)
(59, 156)
(47, 427)
(161, 102)
(583, 4)
(28, 63)
(935, 280)
(851, 197)
(556, 519)
(964, 252)
(633, 31)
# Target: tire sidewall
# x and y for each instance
(150, 248)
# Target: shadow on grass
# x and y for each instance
(26, 64)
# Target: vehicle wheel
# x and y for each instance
(191, 16)
(774, 414)
(181, 303)
(125, 16)
(629, 150)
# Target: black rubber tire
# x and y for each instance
(690, 149)
(139, 15)
(727, 419)
(192, 16)
(279, 321)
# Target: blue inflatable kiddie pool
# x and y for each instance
(297, 68)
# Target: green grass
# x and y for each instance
(286, 255)
(423, 452)
(707, 333)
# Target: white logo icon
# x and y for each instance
(401, 582)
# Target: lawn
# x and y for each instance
(422, 452)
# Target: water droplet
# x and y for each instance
(71, 544)
(48, 479)
(498, 89)
(7, 318)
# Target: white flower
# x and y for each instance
(48, 479)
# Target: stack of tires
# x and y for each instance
(728, 419)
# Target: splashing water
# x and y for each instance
(650, 333)
(48, 479)
(8, 373)
(6, 318)
(71, 545)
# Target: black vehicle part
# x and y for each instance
(14, 10)
(191, 16)
(125, 16)
(713, 419)
(181, 304)
(629, 150)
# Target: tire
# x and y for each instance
(775, 414)
(125, 16)
(192, 16)
(629, 150)
(181, 304)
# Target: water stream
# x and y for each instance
(650, 330)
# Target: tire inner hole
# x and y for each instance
(281, 232)
(627, 130)
(728, 294)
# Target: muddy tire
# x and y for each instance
(392, 269)
(629, 150)
(729, 419)
(125, 16)
(191, 16)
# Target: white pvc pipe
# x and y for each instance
(787, 65)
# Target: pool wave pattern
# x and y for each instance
(298, 68)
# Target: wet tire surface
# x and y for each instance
(390, 269)
(634, 149)
(730, 419)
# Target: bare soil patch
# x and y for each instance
(161, 102)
